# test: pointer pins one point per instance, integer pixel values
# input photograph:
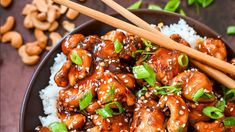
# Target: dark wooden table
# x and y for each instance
(15, 76)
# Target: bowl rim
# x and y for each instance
(43, 61)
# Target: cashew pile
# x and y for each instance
(42, 16)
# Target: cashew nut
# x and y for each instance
(51, 14)
(41, 5)
(32, 48)
(55, 37)
(8, 25)
(72, 14)
(41, 38)
(28, 21)
(54, 26)
(28, 9)
(63, 9)
(14, 37)
(5, 3)
(39, 24)
(29, 60)
(42, 16)
(68, 26)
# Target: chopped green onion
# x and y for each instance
(183, 60)
(182, 12)
(147, 43)
(221, 104)
(172, 5)
(76, 58)
(140, 92)
(105, 112)
(85, 100)
(198, 94)
(191, 2)
(118, 46)
(212, 112)
(140, 72)
(136, 52)
(154, 7)
(231, 30)
(152, 78)
(110, 95)
(120, 109)
(108, 112)
(142, 59)
(230, 95)
(208, 95)
(164, 90)
(57, 127)
(136, 5)
(229, 121)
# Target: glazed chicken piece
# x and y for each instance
(131, 43)
(230, 109)
(230, 129)
(191, 81)
(113, 36)
(74, 121)
(69, 98)
(105, 50)
(111, 89)
(179, 39)
(61, 78)
(213, 47)
(179, 112)
(127, 79)
(93, 107)
(147, 118)
(116, 123)
(71, 42)
(215, 126)
(79, 71)
(89, 42)
(195, 114)
(165, 64)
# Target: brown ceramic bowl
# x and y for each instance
(32, 105)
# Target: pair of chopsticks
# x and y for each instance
(146, 31)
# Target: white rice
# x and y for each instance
(50, 93)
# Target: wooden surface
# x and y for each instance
(15, 76)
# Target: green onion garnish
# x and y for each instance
(147, 43)
(172, 5)
(191, 2)
(136, 52)
(221, 104)
(118, 46)
(110, 95)
(208, 95)
(76, 58)
(57, 127)
(136, 5)
(231, 30)
(182, 12)
(229, 121)
(152, 78)
(85, 100)
(140, 92)
(164, 90)
(212, 112)
(229, 95)
(183, 60)
(154, 7)
(108, 112)
(198, 94)
(140, 72)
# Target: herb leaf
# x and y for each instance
(154, 7)
(231, 30)
(135, 5)
(118, 46)
(76, 58)
(172, 5)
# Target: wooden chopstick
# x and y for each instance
(158, 38)
(217, 75)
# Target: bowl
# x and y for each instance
(32, 105)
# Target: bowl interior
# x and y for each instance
(32, 105)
